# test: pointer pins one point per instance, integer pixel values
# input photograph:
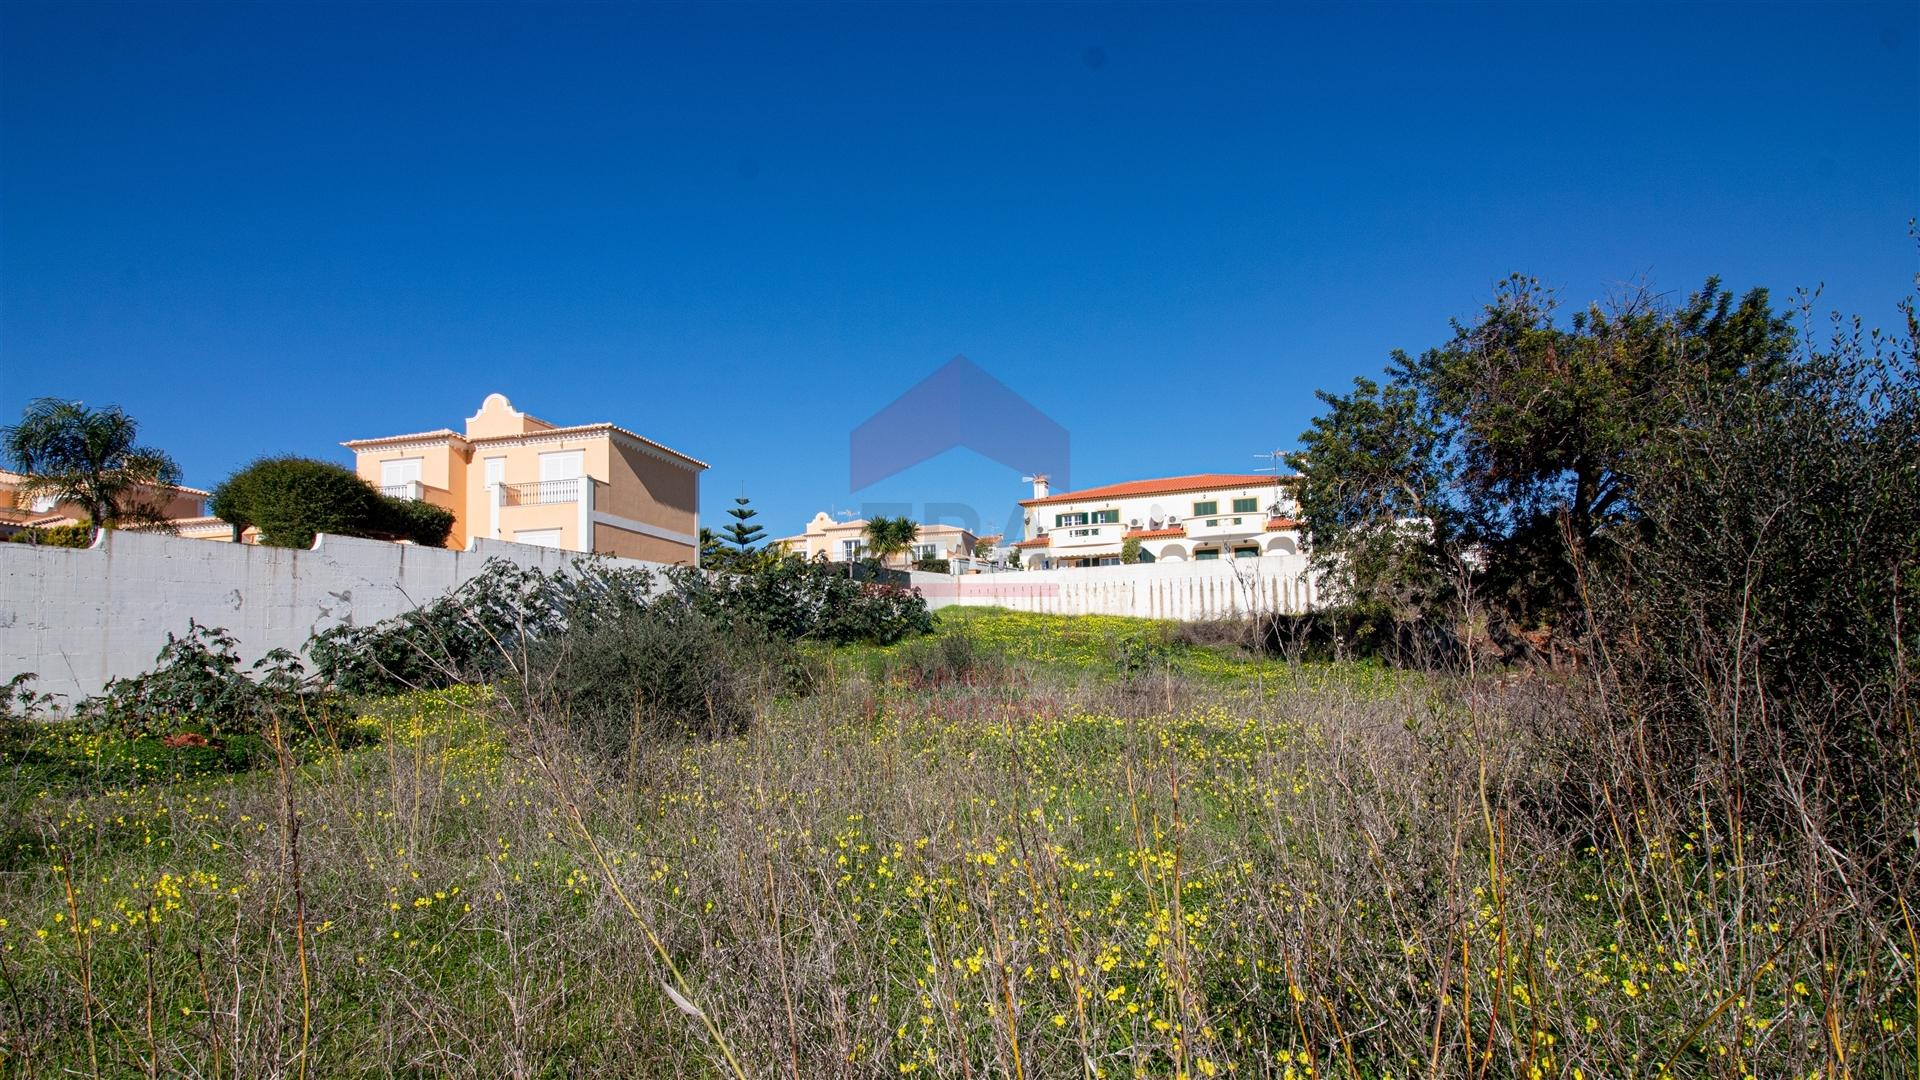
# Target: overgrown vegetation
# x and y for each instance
(1088, 846)
(63, 536)
(293, 499)
(1706, 514)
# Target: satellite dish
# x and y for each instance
(1158, 511)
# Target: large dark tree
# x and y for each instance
(1499, 458)
(292, 499)
(91, 457)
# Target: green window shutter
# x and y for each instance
(1202, 509)
(1209, 553)
(1245, 553)
(1245, 506)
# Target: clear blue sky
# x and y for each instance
(740, 231)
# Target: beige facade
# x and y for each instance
(512, 476)
(840, 541)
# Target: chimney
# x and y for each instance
(1039, 487)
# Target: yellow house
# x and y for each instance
(841, 541)
(510, 476)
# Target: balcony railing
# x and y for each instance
(541, 493)
(412, 489)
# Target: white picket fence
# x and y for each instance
(1184, 591)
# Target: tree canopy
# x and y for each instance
(91, 457)
(292, 499)
(1499, 459)
(890, 536)
(743, 534)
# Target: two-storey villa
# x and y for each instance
(510, 476)
(843, 541)
(1174, 519)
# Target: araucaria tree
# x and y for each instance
(743, 534)
(90, 457)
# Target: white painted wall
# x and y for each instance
(1184, 591)
(78, 618)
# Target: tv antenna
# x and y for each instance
(1276, 462)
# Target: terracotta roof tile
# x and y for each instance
(1170, 485)
(1280, 524)
(1156, 534)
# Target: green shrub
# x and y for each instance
(1143, 652)
(949, 659)
(292, 499)
(411, 519)
(660, 673)
(489, 626)
(64, 536)
(197, 684)
(1760, 622)
(479, 631)
(794, 599)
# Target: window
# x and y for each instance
(563, 465)
(925, 551)
(1207, 553)
(1245, 506)
(1105, 517)
(400, 471)
(851, 549)
(1061, 521)
(1245, 553)
(496, 471)
(1202, 509)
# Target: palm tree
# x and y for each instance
(887, 537)
(88, 456)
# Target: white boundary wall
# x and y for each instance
(78, 618)
(1184, 591)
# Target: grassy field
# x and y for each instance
(1031, 847)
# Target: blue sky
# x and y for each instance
(741, 231)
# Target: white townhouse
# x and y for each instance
(1177, 518)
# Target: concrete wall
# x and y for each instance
(78, 618)
(1184, 591)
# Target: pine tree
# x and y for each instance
(742, 534)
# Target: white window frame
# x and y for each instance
(397, 471)
(563, 465)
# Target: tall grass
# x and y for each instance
(1039, 867)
